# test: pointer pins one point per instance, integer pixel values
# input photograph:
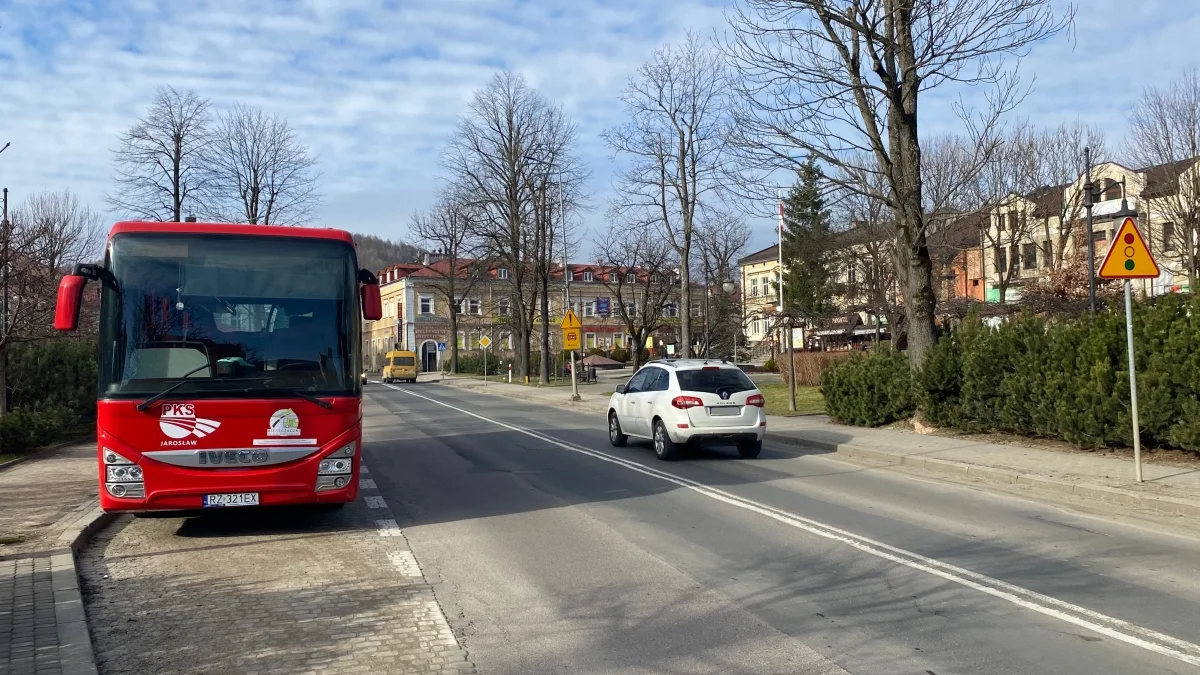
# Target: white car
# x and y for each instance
(673, 402)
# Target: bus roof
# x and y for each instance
(232, 228)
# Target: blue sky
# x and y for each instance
(374, 87)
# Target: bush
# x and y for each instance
(869, 390)
(1070, 379)
(51, 393)
(620, 354)
(770, 366)
(810, 366)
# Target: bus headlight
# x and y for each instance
(335, 465)
(123, 473)
(122, 478)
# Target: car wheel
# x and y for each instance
(749, 449)
(615, 435)
(664, 447)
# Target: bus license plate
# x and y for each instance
(236, 499)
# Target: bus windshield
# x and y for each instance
(230, 315)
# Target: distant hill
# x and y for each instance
(375, 253)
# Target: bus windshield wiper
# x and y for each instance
(162, 394)
(299, 393)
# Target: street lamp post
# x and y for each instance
(1088, 201)
(728, 286)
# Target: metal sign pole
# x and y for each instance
(574, 379)
(1133, 396)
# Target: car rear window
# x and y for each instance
(403, 361)
(712, 381)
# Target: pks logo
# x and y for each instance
(179, 421)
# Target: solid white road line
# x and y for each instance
(1083, 617)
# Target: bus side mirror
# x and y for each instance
(372, 304)
(70, 295)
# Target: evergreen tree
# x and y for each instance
(807, 241)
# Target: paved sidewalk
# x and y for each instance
(41, 499)
(1168, 488)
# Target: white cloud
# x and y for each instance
(375, 87)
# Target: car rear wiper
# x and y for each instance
(162, 394)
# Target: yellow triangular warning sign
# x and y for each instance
(1128, 256)
(570, 321)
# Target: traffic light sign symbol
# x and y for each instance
(1128, 257)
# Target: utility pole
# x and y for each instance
(1091, 244)
(562, 214)
(4, 304)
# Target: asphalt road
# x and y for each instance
(553, 552)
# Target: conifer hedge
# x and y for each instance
(1064, 379)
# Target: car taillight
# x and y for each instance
(685, 402)
(756, 400)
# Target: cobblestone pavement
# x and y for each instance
(28, 633)
(38, 499)
(265, 591)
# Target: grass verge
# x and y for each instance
(808, 400)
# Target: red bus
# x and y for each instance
(229, 363)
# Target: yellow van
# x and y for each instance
(400, 365)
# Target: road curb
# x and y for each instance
(1103, 493)
(74, 639)
(43, 451)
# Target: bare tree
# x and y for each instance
(51, 233)
(1059, 157)
(1164, 137)
(637, 267)
(160, 166)
(510, 138)
(675, 140)
(1004, 189)
(840, 79)
(865, 251)
(722, 238)
(260, 172)
(447, 230)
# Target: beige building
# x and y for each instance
(1028, 236)
(416, 311)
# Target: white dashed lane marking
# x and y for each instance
(375, 503)
(388, 528)
(366, 484)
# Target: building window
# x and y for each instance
(631, 278)
(506, 340)
(589, 308)
(570, 274)
(1012, 221)
(618, 339)
(851, 276)
(503, 307)
(502, 273)
(1168, 236)
(587, 276)
(474, 306)
(589, 340)
(755, 327)
(1001, 260)
(612, 277)
(630, 309)
(426, 304)
(671, 310)
(462, 340)
(696, 309)
(1029, 256)
(754, 287)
